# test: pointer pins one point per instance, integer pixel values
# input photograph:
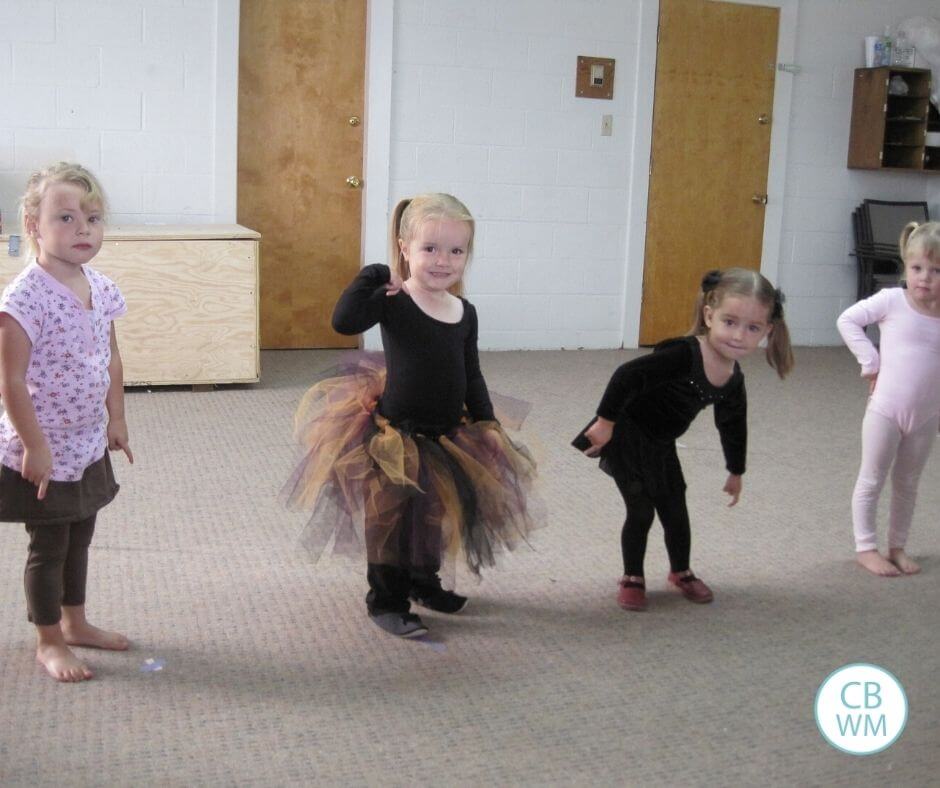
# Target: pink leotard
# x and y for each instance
(908, 365)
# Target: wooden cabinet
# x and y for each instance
(192, 301)
(889, 126)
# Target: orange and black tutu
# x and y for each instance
(399, 494)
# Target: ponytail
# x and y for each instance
(397, 261)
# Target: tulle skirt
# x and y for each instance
(400, 495)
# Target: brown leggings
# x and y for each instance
(56, 568)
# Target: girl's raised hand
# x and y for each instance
(394, 284)
(37, 468)
(599, 434)
(733, 487)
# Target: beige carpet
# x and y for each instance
(273, 675)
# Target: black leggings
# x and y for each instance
(56, 568)
(641, 509)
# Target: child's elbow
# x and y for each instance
(344, 327)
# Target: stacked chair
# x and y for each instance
(877, 225)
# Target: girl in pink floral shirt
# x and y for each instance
(61, 382)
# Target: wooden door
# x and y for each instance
(301, 79)
(715, 71)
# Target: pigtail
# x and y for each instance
(779, 350)
(710, 281)
(397, 261)
(906, 236)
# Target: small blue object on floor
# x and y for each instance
(434, 645)
(152, 665)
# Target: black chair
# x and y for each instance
(877, 226)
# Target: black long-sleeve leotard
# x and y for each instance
(663, 391)
(433, 366)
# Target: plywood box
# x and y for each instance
(192, 301)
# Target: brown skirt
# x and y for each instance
(65, 502)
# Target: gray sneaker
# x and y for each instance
(402, 625)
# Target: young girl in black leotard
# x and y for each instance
(412, 465)
(652, 400)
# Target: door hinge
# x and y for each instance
(790, 68)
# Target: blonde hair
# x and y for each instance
(411, 213)
(41, 180)
(924, 238)
(743, 282)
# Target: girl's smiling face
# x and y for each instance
(437, 254)
(737, 325)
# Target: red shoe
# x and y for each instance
(632, 594)
(691, 587)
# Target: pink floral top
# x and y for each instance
(68, 375)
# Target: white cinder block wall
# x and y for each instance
(816, 271)
(126, 87)
(145, 93)
(484, 107)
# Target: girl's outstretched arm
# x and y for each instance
(362, 304)
(15, 352)
(117, 424)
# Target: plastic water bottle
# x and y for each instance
(887, 48)
(903, 51)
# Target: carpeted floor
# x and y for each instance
(272, 674)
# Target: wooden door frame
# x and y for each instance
(642, 145)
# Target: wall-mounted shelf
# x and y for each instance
(889, 131)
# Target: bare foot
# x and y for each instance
(903, 561)
(85, 634)
(877, 564)
(61, 663)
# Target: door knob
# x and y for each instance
(354, 182)
(763, 119)
(355, 120)
(760, 199)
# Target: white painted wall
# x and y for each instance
(483, 105)
(143, 92)
(473, 98)
(816, 271)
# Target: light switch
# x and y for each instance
(607, 125)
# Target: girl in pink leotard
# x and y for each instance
(900, 423)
